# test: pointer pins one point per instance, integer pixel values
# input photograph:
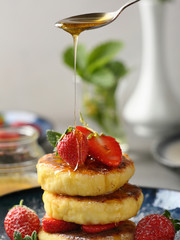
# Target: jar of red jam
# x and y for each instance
(19, 153)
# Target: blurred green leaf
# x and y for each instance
(117, 68)
(103, 78)
(81, 57)
(102, 54)
(68, 57)
(53, 137)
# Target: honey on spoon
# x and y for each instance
(77, 24)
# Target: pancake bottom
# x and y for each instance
(125, 231)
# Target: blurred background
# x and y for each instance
(32, 74)
(34, 77)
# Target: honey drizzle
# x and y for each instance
(75, 40)
(75, 28)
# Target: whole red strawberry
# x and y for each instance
(73, 148)
(52, 225)
(23, 219)
(156, 227)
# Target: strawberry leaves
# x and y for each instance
(54, 137)
(175, 222)
(17, 236)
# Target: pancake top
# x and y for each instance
(90, 167)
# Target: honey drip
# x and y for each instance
(75, 38)
(75, 27)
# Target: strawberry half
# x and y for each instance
(99, 228)
(52, 225)
(105, 149)
(73, 148)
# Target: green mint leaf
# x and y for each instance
(53, 137)
(175, 222)
(102, 54)
(167, 214)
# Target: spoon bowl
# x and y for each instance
(77, 24)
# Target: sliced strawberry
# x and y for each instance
(73, 148)
(105, 149)
(99, 227)
(52, 225)
(84, 130)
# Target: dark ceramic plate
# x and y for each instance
(155, 201)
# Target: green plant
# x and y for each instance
(101, 72)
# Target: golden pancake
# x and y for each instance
(114, 207)
(125, 231)
(93, 179)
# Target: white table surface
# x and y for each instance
(150, 173)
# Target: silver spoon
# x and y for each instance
(79, 23)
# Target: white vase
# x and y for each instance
(151, 111)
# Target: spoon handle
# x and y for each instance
(124, 7)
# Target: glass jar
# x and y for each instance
(19, 153)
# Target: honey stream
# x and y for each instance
(75, 27)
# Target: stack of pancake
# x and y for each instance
(93, 194)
